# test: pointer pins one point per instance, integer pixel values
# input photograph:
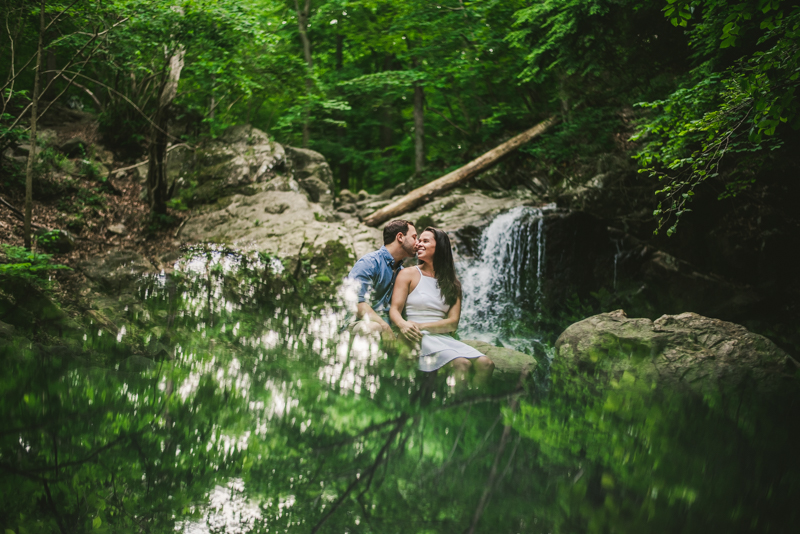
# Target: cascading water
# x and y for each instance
(502, 281)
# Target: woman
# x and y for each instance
(431, 297)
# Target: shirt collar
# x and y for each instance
(384, 252)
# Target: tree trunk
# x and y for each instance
(339, 51)
(425, 193)
(344, 176)
(34, 117)
(157, 166)
(302, 25)
(51, 66)
(213, 103)
(419, 129)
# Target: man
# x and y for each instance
(375, 273)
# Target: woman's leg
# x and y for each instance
(460, 370)
(483, 370)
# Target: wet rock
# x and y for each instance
(568, 239)
(401, 189)
(669, 285)
(347, 208)
(282, 183)
(22, 150)
(118, 229)
(25, 305)
(363, 195)
(6, 330)
(318, 191)
(55, 241)
(464, 207)
(313, 174)
(508, 363)
(75, 147)
(346, 197)
(687, 351)
(117, 270)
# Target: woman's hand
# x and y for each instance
(410, 331)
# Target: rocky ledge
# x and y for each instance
(686, 352)
(250, 192)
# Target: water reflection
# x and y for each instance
(233, 402)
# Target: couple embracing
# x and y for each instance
(418, 306)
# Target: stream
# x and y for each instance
(231, 402)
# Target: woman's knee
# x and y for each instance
(461, 365)
(484, 365)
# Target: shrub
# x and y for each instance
(27, 266)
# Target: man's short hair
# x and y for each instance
(391, 230)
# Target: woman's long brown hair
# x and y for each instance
(444, 266)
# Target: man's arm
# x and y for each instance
(364, 310)
(362, 273)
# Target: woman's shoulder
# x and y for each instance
(407, 274)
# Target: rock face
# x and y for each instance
(313, 174)
(687, 351)
(116, 271)
(245, 161)
(278, 222)
(255, 193)
(243, 156)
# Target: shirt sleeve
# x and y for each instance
(362, 274)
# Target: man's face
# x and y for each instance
(409, 242)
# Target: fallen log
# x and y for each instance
(441, 185)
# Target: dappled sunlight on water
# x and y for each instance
(235, 401)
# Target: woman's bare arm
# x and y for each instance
(408, 329)
(448, 324)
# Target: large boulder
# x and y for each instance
(508, 363)
(241, 157)
(282, 222)
(687, 351)
(116, 271)
(313, 174)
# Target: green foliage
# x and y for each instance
(158, 222)
(629, 455)
(730, 112)
(27, 267)
(424, 221)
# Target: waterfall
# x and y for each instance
(504, 278)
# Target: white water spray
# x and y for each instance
(498, 280)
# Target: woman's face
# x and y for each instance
(426, 247)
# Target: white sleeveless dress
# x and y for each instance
(426, 304)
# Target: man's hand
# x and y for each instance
(387, 334)
(411, 332)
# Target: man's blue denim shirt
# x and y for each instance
(375, 274)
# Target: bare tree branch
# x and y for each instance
(61, 14)
(368, 473)
(56, 77)
(490, 483)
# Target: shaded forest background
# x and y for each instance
(408, 90)
(129, 434)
